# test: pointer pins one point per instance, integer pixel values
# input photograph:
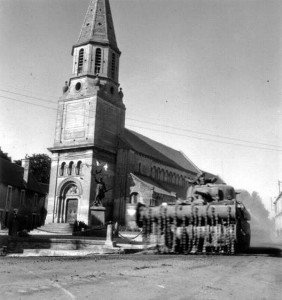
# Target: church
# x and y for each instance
(93, 148)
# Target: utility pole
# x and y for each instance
(279, 186)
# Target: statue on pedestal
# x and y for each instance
(101, 186)
(100, 191)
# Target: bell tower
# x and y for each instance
(90, 117)
(96, 51)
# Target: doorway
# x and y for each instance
(71, 210)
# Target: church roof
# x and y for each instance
(162, 187)
(153, 185)
(157, 151)
(98, 26)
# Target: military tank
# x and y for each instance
(211, 220)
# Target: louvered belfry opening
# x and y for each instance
(98, 58)
(80, 61)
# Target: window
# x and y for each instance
(2, 221)
(80, 60)
(134, 198)
(158, 173)
(182, 181)
(98, 57)
(153, 172)
(177, 180)
(162, 175)
(35, 200)
(173, 178)
(9, 197)
(152, 202)
(22, 198)
(113, 65)
(139, 168)
(62, 169)
(70, 168)
(78, 86)
(169, 177)
(6, 219)
(166, 176)
(78, 168)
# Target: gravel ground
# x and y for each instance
(256, 275)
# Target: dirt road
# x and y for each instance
(257, 275)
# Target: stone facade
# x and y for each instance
(91, 116)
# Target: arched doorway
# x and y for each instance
(68, 202)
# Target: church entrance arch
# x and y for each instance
(68, 201)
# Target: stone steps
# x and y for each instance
(54, 228)
(99, 249)
(55, 245)
(20, 244)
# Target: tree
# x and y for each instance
(40, 165)
(253, 202)
(18, 162)
(260, 221)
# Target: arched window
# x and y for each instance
(62, 169)
(80, 60)
(78, 168)
(182, 181)
(173, 178)
(113, 69)
(134, 197)
(152, 202)
(98, 59)
(70, 168)
(169, 177)
(177, 180)
(153, 170)
(158, 173)
(166, 176)
(162, 175)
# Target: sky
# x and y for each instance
(201, 76)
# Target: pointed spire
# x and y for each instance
(98, 26)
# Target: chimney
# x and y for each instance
(25, 165)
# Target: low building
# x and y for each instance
(20, 193)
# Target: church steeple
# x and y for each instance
(98, 25)
(96, 51)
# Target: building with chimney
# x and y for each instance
(21, 193)
(91, 141)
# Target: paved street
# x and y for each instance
(256, 275)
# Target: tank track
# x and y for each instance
(189, 229)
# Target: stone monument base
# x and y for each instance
(97, 215)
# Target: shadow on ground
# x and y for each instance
(267, 247)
